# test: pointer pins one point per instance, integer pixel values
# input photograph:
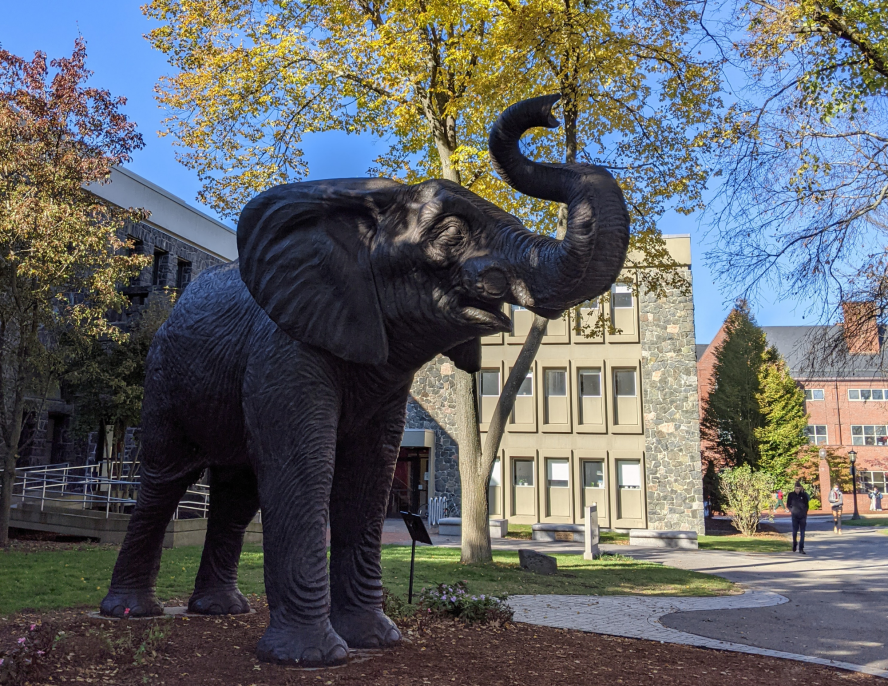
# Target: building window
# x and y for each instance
(556, 382)
(865, 394)
(622, 297)
(816, 434)
(526, 387)
(813, 394)
(183, 274)
(522, 472)
(868, 434)
(490, 385)
(593, 474)
(558, 472)
(624, 383)
(158, 269)
(871, 480)
(590, 383)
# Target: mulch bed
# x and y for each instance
(715, 527)
(221, 651)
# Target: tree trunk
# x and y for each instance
(8, 462)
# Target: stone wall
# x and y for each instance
(431, 406)
(671, 412)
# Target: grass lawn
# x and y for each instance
(763, 543)
(71, 578)
(865, 521)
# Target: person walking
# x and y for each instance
(835, 499)
(798, 507)
(780, 503)
(872, 497)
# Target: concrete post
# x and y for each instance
(590, 546)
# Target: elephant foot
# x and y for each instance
(131, 604)
(218, 602)
(365, 628)
(314, 645)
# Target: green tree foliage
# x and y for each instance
(747, 494)
(105, 377)
(733, 415)
(60, 258)
(782, 435)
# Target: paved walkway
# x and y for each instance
(639, 617)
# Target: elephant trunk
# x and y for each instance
(582, 266)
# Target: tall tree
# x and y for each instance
(60, 258)
(782, 435)
(802, 209)
(254, 77)
(733, 415)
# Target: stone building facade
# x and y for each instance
(183, 242)
(612, 420)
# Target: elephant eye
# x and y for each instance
(451, 233)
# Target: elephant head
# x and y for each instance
(373, 270)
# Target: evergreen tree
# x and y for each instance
(733, 413)
(782, 404)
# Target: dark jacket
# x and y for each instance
(797, 503)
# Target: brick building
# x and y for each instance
(846, 393)
(183, 242)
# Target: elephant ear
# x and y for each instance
(466, 356)
(304, 253)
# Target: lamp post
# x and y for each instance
(852, 455)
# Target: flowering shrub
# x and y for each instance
(22, 662)
(456, 601)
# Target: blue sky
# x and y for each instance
(124, 63)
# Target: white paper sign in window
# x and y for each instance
(629, 473)
(559, 473)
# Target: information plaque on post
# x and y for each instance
(417, 533)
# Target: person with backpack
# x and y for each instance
(835, 499)
(780, 503)
(798, 507)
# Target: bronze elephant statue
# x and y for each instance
(287, 373)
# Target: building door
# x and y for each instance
(593, 472)
(411, 482)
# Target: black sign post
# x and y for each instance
(417, 533)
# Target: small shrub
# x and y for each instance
(747, 494)
(22, 663)
(394, 605)
(456, 601)
(814, 504)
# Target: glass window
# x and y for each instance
(873, 480)
(877, 394)
(865, 394)
(853, 394)
(593, 474)
(813, 394)
(622, 296)
(629, 473)
(590, 305)
(495, 473)
(490, 385)
(590, 383)
(867, 434)
(816, 434)
(158, 268)
(526, 387)
(183, 274)
(624, 382)
(556, 382)
(558, 472)
(522, 472)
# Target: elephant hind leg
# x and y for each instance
(234, 501)
(135, 572)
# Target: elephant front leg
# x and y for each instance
(294, 494)
(364, 472)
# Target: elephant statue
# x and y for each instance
(287, 372)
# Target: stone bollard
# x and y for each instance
(591, 551)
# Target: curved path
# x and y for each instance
(639, 617)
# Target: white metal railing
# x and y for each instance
(95, 487)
